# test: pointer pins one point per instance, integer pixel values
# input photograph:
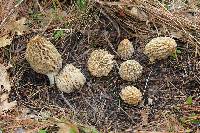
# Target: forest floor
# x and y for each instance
(170, 87)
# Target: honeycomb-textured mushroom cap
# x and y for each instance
(125, 49)
(130, 70)
(131, 95)
(160, 48)
(43, 57)
(100, 63)
(69, 79)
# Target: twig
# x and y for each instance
(147, 80)
(114, 3)
(125, 113)
(109, 43)
(46, 27)
(67, 102)
(11, 11)
(113, 23)
(191, 108)
(95, 110)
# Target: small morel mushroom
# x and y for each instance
(43, 57)
(125, 49)
(131, 95)
(100, 63)
(130, 70)
(160, 48)
(69, 79)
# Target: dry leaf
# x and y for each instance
(138, 14)
(67, 128)
(4, 79)
(4, 104)
(18, 26)
(4, 41)
(5, 88)
(176, 34)
(177, 4)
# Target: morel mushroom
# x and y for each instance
(125, 49)
(160, 48)
(130, 70)
(43, 57)
(131, 95)
(100, 63)
(69, 79)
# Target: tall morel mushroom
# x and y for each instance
(100, 63)
(69, 79)
(130, 70)
(160, 48)
(125, 49)
(131, 95)
(43, 57)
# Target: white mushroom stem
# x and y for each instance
(51, 77)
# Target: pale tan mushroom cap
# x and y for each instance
(42, 56)
(69, 79)
(100, 63)
(125, 49)
(130, 70)
(131, 95)
(160, 48)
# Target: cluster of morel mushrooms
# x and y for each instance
(44, 58)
